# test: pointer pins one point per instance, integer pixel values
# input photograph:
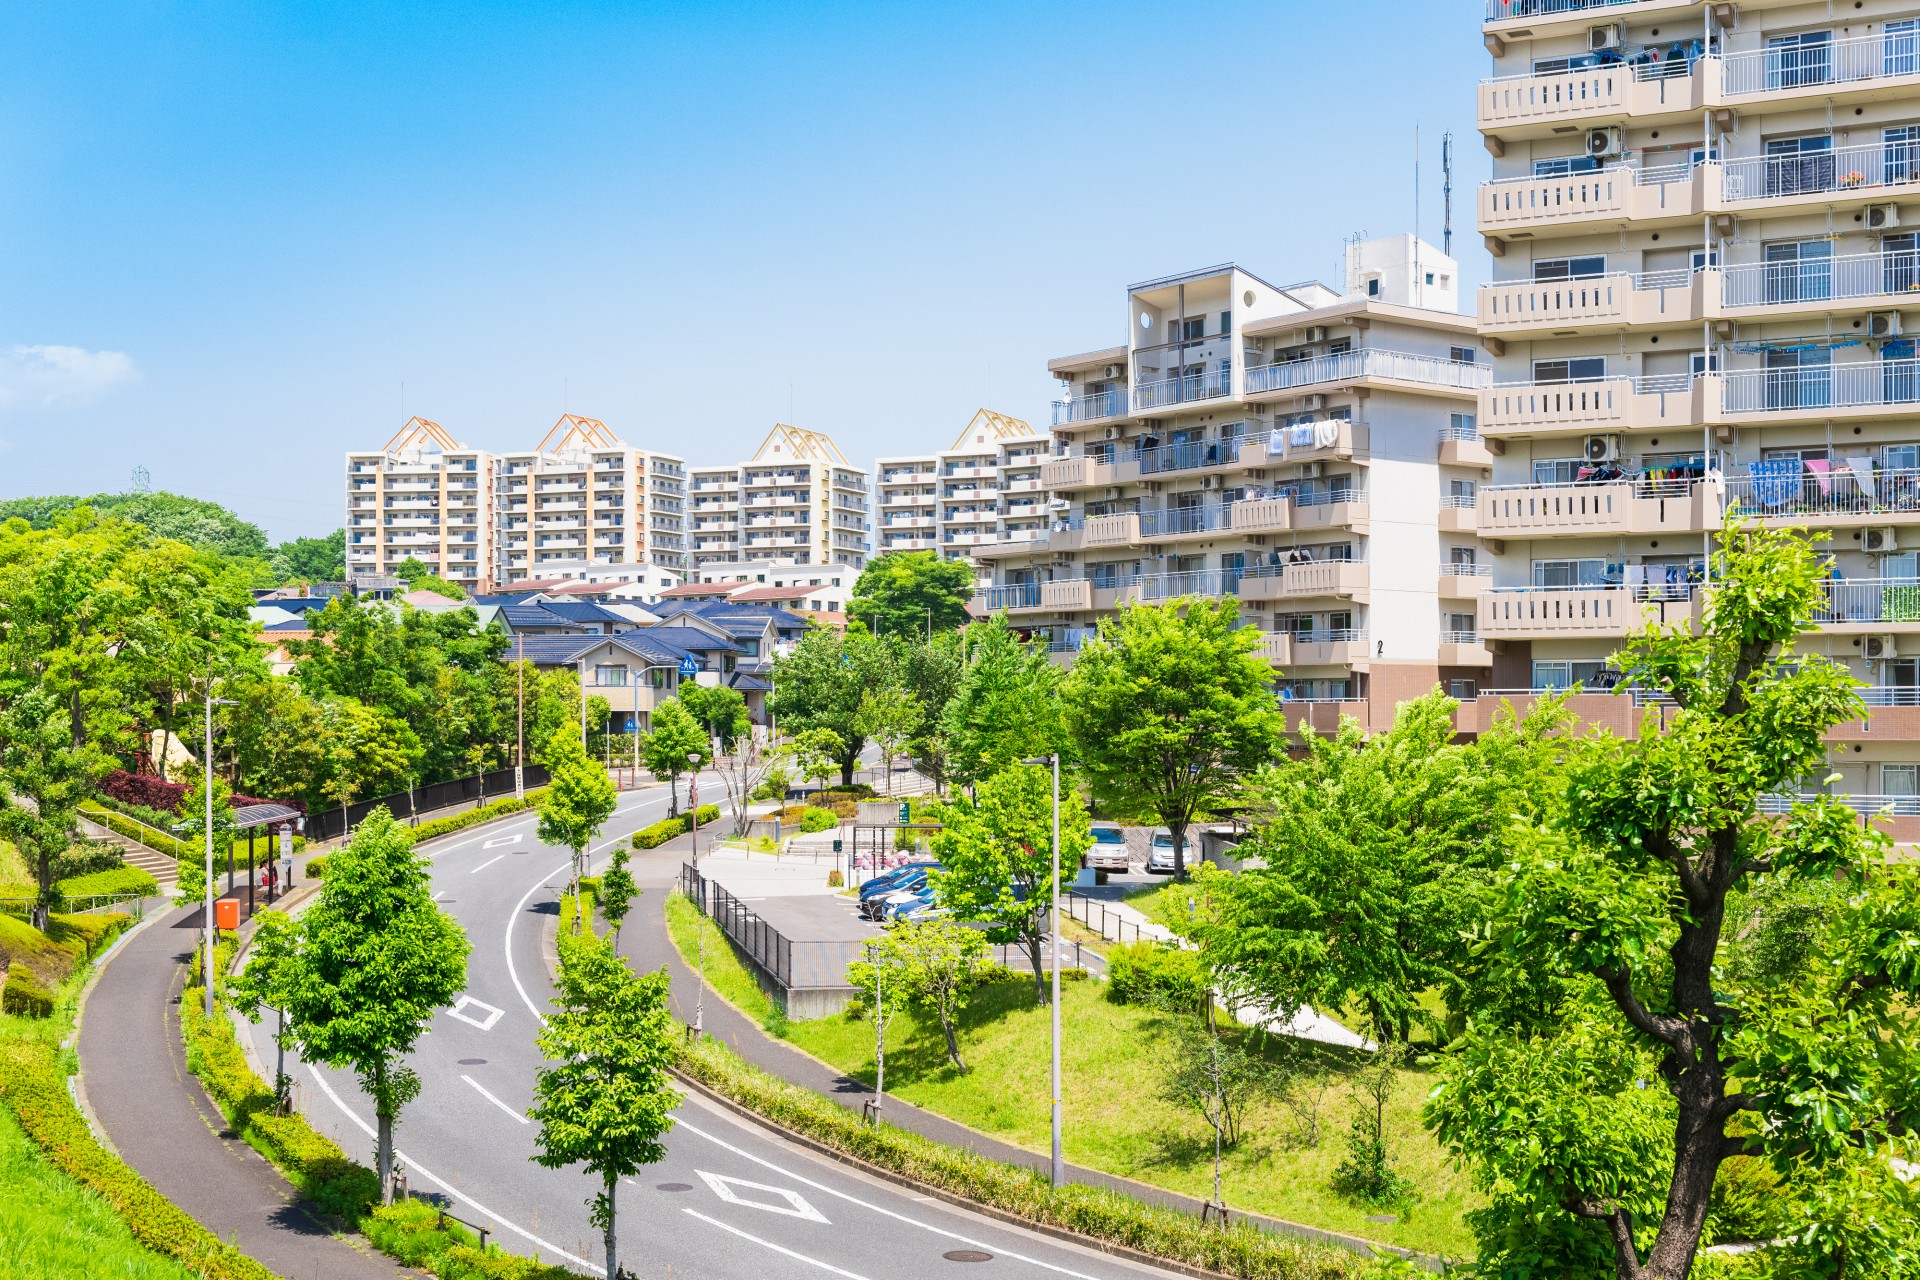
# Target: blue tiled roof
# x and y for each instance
(580, 611)
(519, 616)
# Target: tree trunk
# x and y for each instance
(953, 1042)
(383, 1153)
(613, 1243)
(673, 795)
(846, 770)
(1179, 850)
(1039, 968)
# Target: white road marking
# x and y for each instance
(797, 1257)
(484, 1022)
(414, 1166)
(439, 895)
(495, 1101)
(796, 1205)
(497, 841)
(680, 1123)
(489, 862)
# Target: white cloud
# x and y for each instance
(47, 374)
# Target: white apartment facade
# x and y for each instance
(796, 500)
(584, 495)
(983, 491)
(1310, 451)
(1705, 221)
(424, 496)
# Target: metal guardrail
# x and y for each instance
(1864, 168)
(1499, 10)
(1401, 366)
(1840, 491)
(1865, 805)
(1104, 404)
(766, 945)
(83, 905)
(1093, 913)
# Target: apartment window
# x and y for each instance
(1373, 286)
(1798, 270)
(1460, 355)
(1561, 166)
(1576, 369)
(1193, 328)
(610, 676)
(657, 677)
(1564, 675)
(1462, 623)
(1461, 555)
(1570, 268)
(1339, 346)
(1803, 58)
(1900, 779)
(1462, 426)
(1226, 322)
(1570, 573)
(1464, 690)
(1900, 43)
(1800, 164)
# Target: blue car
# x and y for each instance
(895, 880)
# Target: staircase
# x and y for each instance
(158, 865)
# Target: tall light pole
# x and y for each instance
(693, 807)
(1059, 1160)
(206, 759)
(520, 719)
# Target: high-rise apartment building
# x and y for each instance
(424, 496)
(584, 495)
(1310, 451)
(1705, 222)
(796, 499)
(983, 492)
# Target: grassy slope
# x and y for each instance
(13, 868)
(1114, 1120)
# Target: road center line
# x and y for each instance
(495, 1101)
(681, 1123)
(489, 862)
(415, 1167)
(768, 1244)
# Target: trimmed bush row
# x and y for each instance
(471, 817)
(667, 828)
(410, 1231)
(103, 884)
(156, 840)
(35, 1087)
(39, 962)
(1241, 1251)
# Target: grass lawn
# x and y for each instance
(1114, 1119)
(13, 868)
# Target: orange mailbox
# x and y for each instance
(226, 913)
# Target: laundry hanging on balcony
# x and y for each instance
(1807, 344)
(1822, 475)
(1776, 481)
(1326, 434)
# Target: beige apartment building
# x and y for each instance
(1705, 222)
(1311, 451)
(797, 499)
(584, 495)
(423, 495)
(983, 491)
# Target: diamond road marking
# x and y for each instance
(795, 1206)
(497, 841)
(485, 1023)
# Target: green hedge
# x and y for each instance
(819, 820)
(23, 995)
(317, 867)
(473, 817)
(1153, 973)
(667, 828)
(1240, 1250)
(34, 1085)
(410, 1231)
(102, 884)
(158, 841)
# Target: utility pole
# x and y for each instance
(1059, 1159)
(520, 719)
(206, 760)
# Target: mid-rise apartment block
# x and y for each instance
(583, 494)
(797, 499)
(1310, 451)
(1705, 222)
(984, 491)
(422, 496)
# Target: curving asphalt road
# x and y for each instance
(729, 1200)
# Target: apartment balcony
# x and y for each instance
(1347, 647)
(909, 476)
(1856, 391)
(1594, 305)
(1458, 514)
(1072, 593)
(1865, 68)
(1086, 473)
(1820, 287)
(971, 538)
(1174, 523)
(1102, 406)
(1369, 366)
(1328, 440)
(1022, 542)
(1595, 612)
(1261, 515)
(909, 542)
(1523, 19)
(1024, 484)
(1597, 405)
(1213, 383)
(1329, 511)
(1595, 200)
(1853, 606)
(907, 522)
(1109, 531)
(1464, 581)
(1836, 496)
(1871, 172)
(1320, 579)
(984, 470)
(1586, 509)
(984, 515)
(1534, 106)
(1463, 649)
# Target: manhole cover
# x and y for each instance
(1383, 1217)
(673, 1186)
(968, 1255)
(473, 1062)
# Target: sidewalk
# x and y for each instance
(134, 1082)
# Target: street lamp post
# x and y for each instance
(693, 807)
(206, 759)
(519, 722)
(1059, 1160)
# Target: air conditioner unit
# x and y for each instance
(1600, 39)
(1881, 647)
(1883, 324)
(1316, 333)
(1110, 433)
(1113, 371)
(1880, 217)
(1312, 470)
(1607, 143)
(1210, 482)
(1603, 448)
(1315, 402)
(1881, 541)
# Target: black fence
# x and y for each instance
(476, 790)
(760, 940)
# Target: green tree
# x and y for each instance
(252, 990)
(608, 1098)
(912, 593)
(192, 887)
(1205, 1072)
(367, 966)
(580, 798)
(996, 857)
(617, 892)
(419, 577)
(43, 778)
(1169, 712)
(934, 966)
(1006, 705)
(205, 526)
(887, 718)
(311, 559)
(931, 671)
(719, 711)
(817, 753)
(676, 745)
(277, 737)
(1621, 902)
(365, 751)
(820, 683)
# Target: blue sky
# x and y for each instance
(231, 234)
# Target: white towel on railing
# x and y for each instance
(1277, 440)
(1301, 436)
(1326, 434)
(1862, 473)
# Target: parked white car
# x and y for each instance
(1160, 855)
(1108, 852)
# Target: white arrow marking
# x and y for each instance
(497, 841)
(795, 1206)
(492, 1015)
(489, 862)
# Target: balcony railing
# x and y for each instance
(1451, 570)
(1863, 275)
(1864, 805)
(1326, 635)
(1402, 366)
(1186, 455)
(1459, 637)
(1181, 520)
(1111, 403)
(1867, 168)
(1021, 595)
(1499, 10)
(1208, 384)
(1882, 57)
(1834, 492)
(1862, 385)
(1869, 602)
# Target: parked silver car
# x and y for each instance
(1108, 852)
(1160, 855)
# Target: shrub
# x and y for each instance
(834, 879)
(84, 857)
(164, 796)
(34, 1086)
(410, 1231)
(818, 819)
(156, 840)
(1154, 973)
(102, 884)
(88, 934)
(317, 867)
(23, 995)
(667, 828)
(438, 827)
